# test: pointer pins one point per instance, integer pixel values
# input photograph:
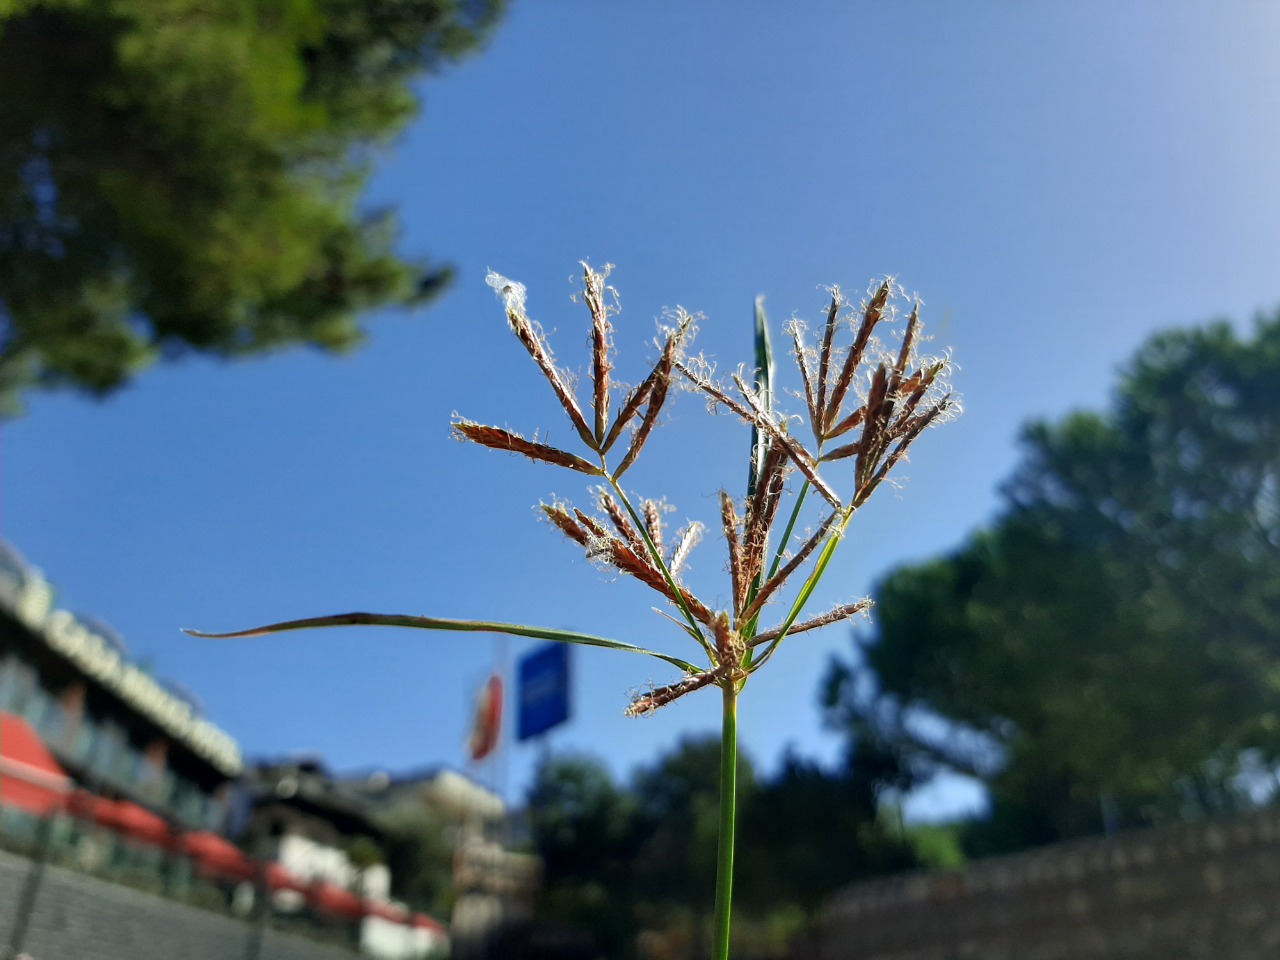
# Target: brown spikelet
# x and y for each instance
(637, 565)
(761, 511)
(874, 434)
(567, 525)
(657, 396)
(592, 525)
(911, 383)
(729, 519)
(593, 290)
(653, 522)
(870, 317)
(631, 406)
(843, 612)
(845, 425)
(904, 352)
(911, 430)
(916, 386)
(607, 548)
(700, 611)
(498, 439)
(770, 586)
(806, 377)
(646, 703)
(686, 540)
(653, 406)
(622, 522)
(719, 396)
(798, 455)
(729, 646)
(824, 357)
(634, 564)
(805, 463)
(841, 453)
(535, 342)
(911, 427)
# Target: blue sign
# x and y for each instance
(543, 690)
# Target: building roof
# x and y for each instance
(305, 783)
(453, 793)
(97, 654)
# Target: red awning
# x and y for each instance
(424, 922)
(137, 822)
(82, 803)
(331, 898)
(216, 855)
(30, 778)
(387, 911)
(278, 878)
(90, 806)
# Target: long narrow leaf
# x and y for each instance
(764, 373)
(438, 623)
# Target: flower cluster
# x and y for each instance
(865, 403)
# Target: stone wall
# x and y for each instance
(78, 917)
(1204, 891)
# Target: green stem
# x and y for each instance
(728, 818)
(791, 526)
(656, 554)
(751, 628)
(819, 568)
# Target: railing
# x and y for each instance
(260, 894)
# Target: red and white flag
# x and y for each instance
(487, 725)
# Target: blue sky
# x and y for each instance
(1055, 180)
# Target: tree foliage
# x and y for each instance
(620, 860)
(180, 176)
(418, 851)
(583, 829)
(810, 831)
(1108, 647)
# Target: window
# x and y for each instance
(86, 739)
(52, 722)
(17, 679)
(189, 802)
(109, 744)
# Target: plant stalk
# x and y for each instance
(728, 818)
(656, 554)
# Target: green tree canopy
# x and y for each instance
(809, 831)
(620, 860)
(180, 176)
(418, 850)
(678, 823)
(585, 830)
(1112, 641)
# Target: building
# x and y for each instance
(454, 797)
(142, 788)
(302, 820)
(327, 851)
(493, 887)
(119, 733)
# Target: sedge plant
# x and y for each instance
(867, 395)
